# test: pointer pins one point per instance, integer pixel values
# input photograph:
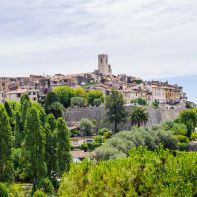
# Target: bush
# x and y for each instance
(75, 133)
(39, 193)
(125, 140)
(139, 101)
(182, 138)
(183, 146)
(97, 102)
(3, 190)
(86, 126)
(155, 104)
(167, 125)
(179, 129)
(194, 136)
(45, 185)
(78, 102)
(105, 132)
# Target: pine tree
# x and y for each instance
(63, 147)
(33, 149)
(115, 109)
(6, 165)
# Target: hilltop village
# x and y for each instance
(165, 94)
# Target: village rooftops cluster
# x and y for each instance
(102, 79)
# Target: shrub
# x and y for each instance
(86, 126)
(75, 133)
(78, 102)
(183, 146)
(143, 173)
(139, 101)
(179, 129)
(45, 185)
(182, 138)
(167, 125)
(105, 132)
(155, 104)
(97, 102)
(125, 140)
(194, 136)
(3, 190)
(39, 193)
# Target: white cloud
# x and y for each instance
(149, 38)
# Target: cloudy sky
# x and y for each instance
(147, 38)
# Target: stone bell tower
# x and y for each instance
(103, 66)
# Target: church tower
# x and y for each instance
(103, 66)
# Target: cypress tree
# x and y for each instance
(51, 144)
(33, 149)
(63, 147)
(6, 165)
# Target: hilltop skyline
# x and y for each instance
(150, 39)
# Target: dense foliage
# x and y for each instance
(143, 173)
(121, 143)
(33, 145)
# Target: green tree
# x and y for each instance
(63, 147)
(139, 116)
(94, 94)
(139, 101)
(51, 144)
(189, 118)
(114, 106)
(56, 109)
(78, 102)
(49, 100)
(80, 92)
(24, 98)
(25, 105)
(6, 165)
(86, 127)
(65, 93)
(33, 149)
(8, 109)
(18, 131)
(97, 102)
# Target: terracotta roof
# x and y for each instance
(81, 154)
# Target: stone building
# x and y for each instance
(103, 66)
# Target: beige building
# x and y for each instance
(17, 94)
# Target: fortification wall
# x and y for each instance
(157, 116)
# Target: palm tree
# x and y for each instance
(139, 116)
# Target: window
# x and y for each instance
(101, 61)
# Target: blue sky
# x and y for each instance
(146, 38)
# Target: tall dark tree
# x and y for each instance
(51, 144)
(6, 165)
(25, 97)
(49, 100)
(114, 106)
(63, 147)
(33, 149)
(25, 105)
(8, 109)
(18, 131)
